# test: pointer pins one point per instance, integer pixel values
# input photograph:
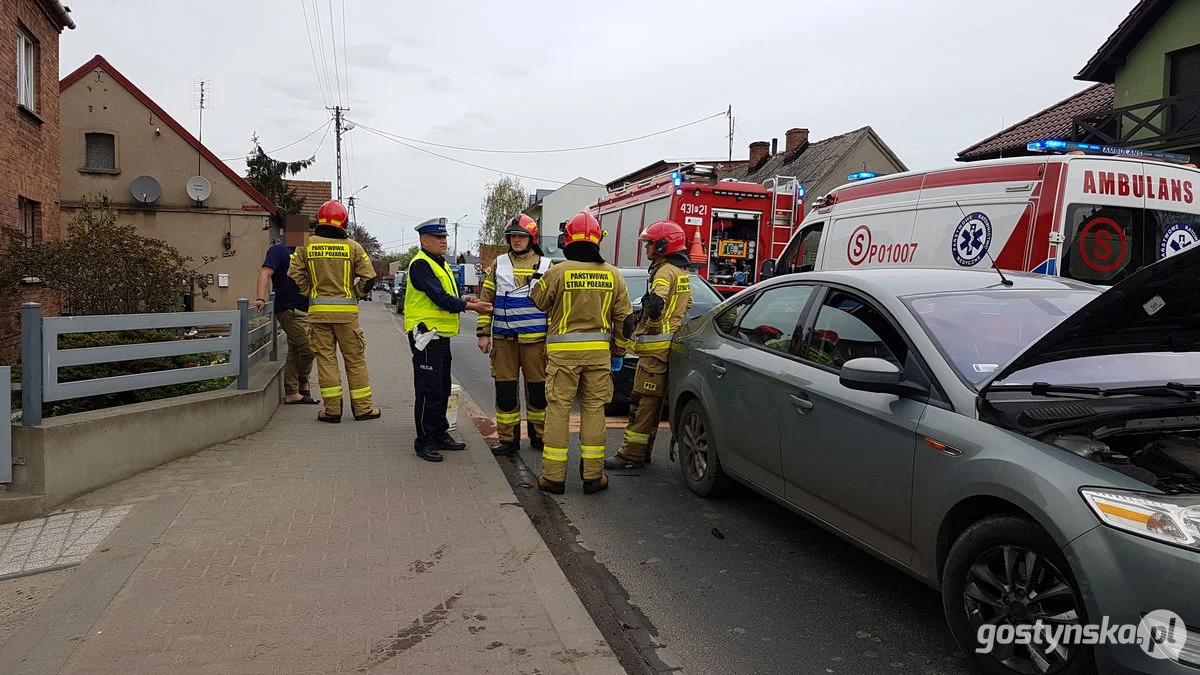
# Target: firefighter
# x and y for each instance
(325, 271)
(587, 302)
(515, 336)
(668, 299)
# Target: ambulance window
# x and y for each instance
(801, 253)
(1105, 244)
(1171, 232)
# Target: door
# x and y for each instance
(747, 366)
(1185, 81)
(848, 455)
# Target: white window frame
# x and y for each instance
(27, 71)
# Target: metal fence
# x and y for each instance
(41, 356)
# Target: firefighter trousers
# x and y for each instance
(512, 360)
(648, 391)
(593, 384)
(327, 339)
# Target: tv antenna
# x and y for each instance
(202, 93)
(988, 252)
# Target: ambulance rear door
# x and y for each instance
(1104, 233)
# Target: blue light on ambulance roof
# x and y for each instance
(861, 175)
(676, 178)
(799, 190)
(1056, 145)
(1036, 145)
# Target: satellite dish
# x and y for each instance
(199, 188)
(145, 189)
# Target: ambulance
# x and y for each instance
(1095, 214)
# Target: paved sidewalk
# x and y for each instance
(314, 548)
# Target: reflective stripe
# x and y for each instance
(360, 393)
(523, 271)
(331, 391)
(624, 344)
(562, 324)
(591, 452)
(333, 301)
(508, 418)
(662, 337)
(651, 347)
(579, 337)
(534, 416)
(489, 285)
(604, 310)
(533, 335)
(635, 437)
(577, 347)
(554, 454)
(332, 308)
(484, 320)
(658, 281)
(524, 323)
(520, 311)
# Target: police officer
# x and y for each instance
(668, 299)
(515, 336)
(587, 302)
(325, 271)
(431, 309)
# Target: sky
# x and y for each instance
(932, 77)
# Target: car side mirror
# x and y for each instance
(878, 376)
(767, 270)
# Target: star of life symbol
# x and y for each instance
(971, 239)
(1176, 239)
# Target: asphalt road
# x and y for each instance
(737, 584)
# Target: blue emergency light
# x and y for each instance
(861, 175)
(800, 191)
(1057, 146)
(676, 178)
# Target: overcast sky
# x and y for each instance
(931, 76)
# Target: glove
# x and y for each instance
(617, 363)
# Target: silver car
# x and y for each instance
(1030, 446)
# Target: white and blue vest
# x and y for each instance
(513, 313)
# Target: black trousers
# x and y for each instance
(431, 379)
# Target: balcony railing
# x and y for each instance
(1171, 121)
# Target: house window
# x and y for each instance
(101, 152)
(30, 212)
(27, 53)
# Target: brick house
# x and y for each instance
(29, 142)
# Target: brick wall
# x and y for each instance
(29, 149)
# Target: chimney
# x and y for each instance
(795, 139)
(758, 153)
(774, 146)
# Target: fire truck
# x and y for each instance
(731, 226)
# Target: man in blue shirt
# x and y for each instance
(291, 310)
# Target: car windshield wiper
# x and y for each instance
(1187, 392)
(1045, 388)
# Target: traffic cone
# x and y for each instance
(696, 254)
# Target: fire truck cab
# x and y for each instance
(731, 226)
(1096, 214)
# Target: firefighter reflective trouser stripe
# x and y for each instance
(510, 361)
(327, 339)
(595, 388)
(648, 393)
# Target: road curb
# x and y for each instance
(579, 634)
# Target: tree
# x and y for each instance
(104, 267)
(504, 199)
(404, 258)
(266, 175)
(358, 232)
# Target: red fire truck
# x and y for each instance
(731, 226)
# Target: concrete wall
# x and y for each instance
(1145, 76)
(96, 103)
(71, 455)
(563, 203)
(28, 150)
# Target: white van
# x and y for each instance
(1087, 217)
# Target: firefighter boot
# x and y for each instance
(551, 486)
(593, 486)
(617, 462)
(508, 448)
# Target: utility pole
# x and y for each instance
(729, 114)
(338, 129)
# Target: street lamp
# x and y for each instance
(456, 233)
(353, 214)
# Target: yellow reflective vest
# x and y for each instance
(420, 308)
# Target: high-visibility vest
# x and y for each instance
(420, 308)
(514, 314)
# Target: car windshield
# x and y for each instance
(702, 293)
(979, 331)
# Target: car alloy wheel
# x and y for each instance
(698, 458)
(695, 445)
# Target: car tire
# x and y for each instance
(978, 559)
(699, 463)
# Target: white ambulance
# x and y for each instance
(1089, 217)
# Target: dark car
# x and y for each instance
(704, 298)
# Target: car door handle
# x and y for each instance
(718, 369)
(803, 404)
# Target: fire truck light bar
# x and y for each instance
(861, 175)
(1057, 146)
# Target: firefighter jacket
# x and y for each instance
(668, 299)
(325, 272)
(507, 285)
(586, 304)
(419, 307)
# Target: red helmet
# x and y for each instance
(332, 213)
(667, 237)
(582, 227)
(523, 224)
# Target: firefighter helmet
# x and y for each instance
(523, 224)
(582, 227)
(667, 237)
(332, 213)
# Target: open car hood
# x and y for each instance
(1157, 309)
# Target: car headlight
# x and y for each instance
(1173, 519)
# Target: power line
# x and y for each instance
(333, 38)
(310, 134)
(553, 150)
(345, 53)
(321, 46)
(313, 50)
(385, 136)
